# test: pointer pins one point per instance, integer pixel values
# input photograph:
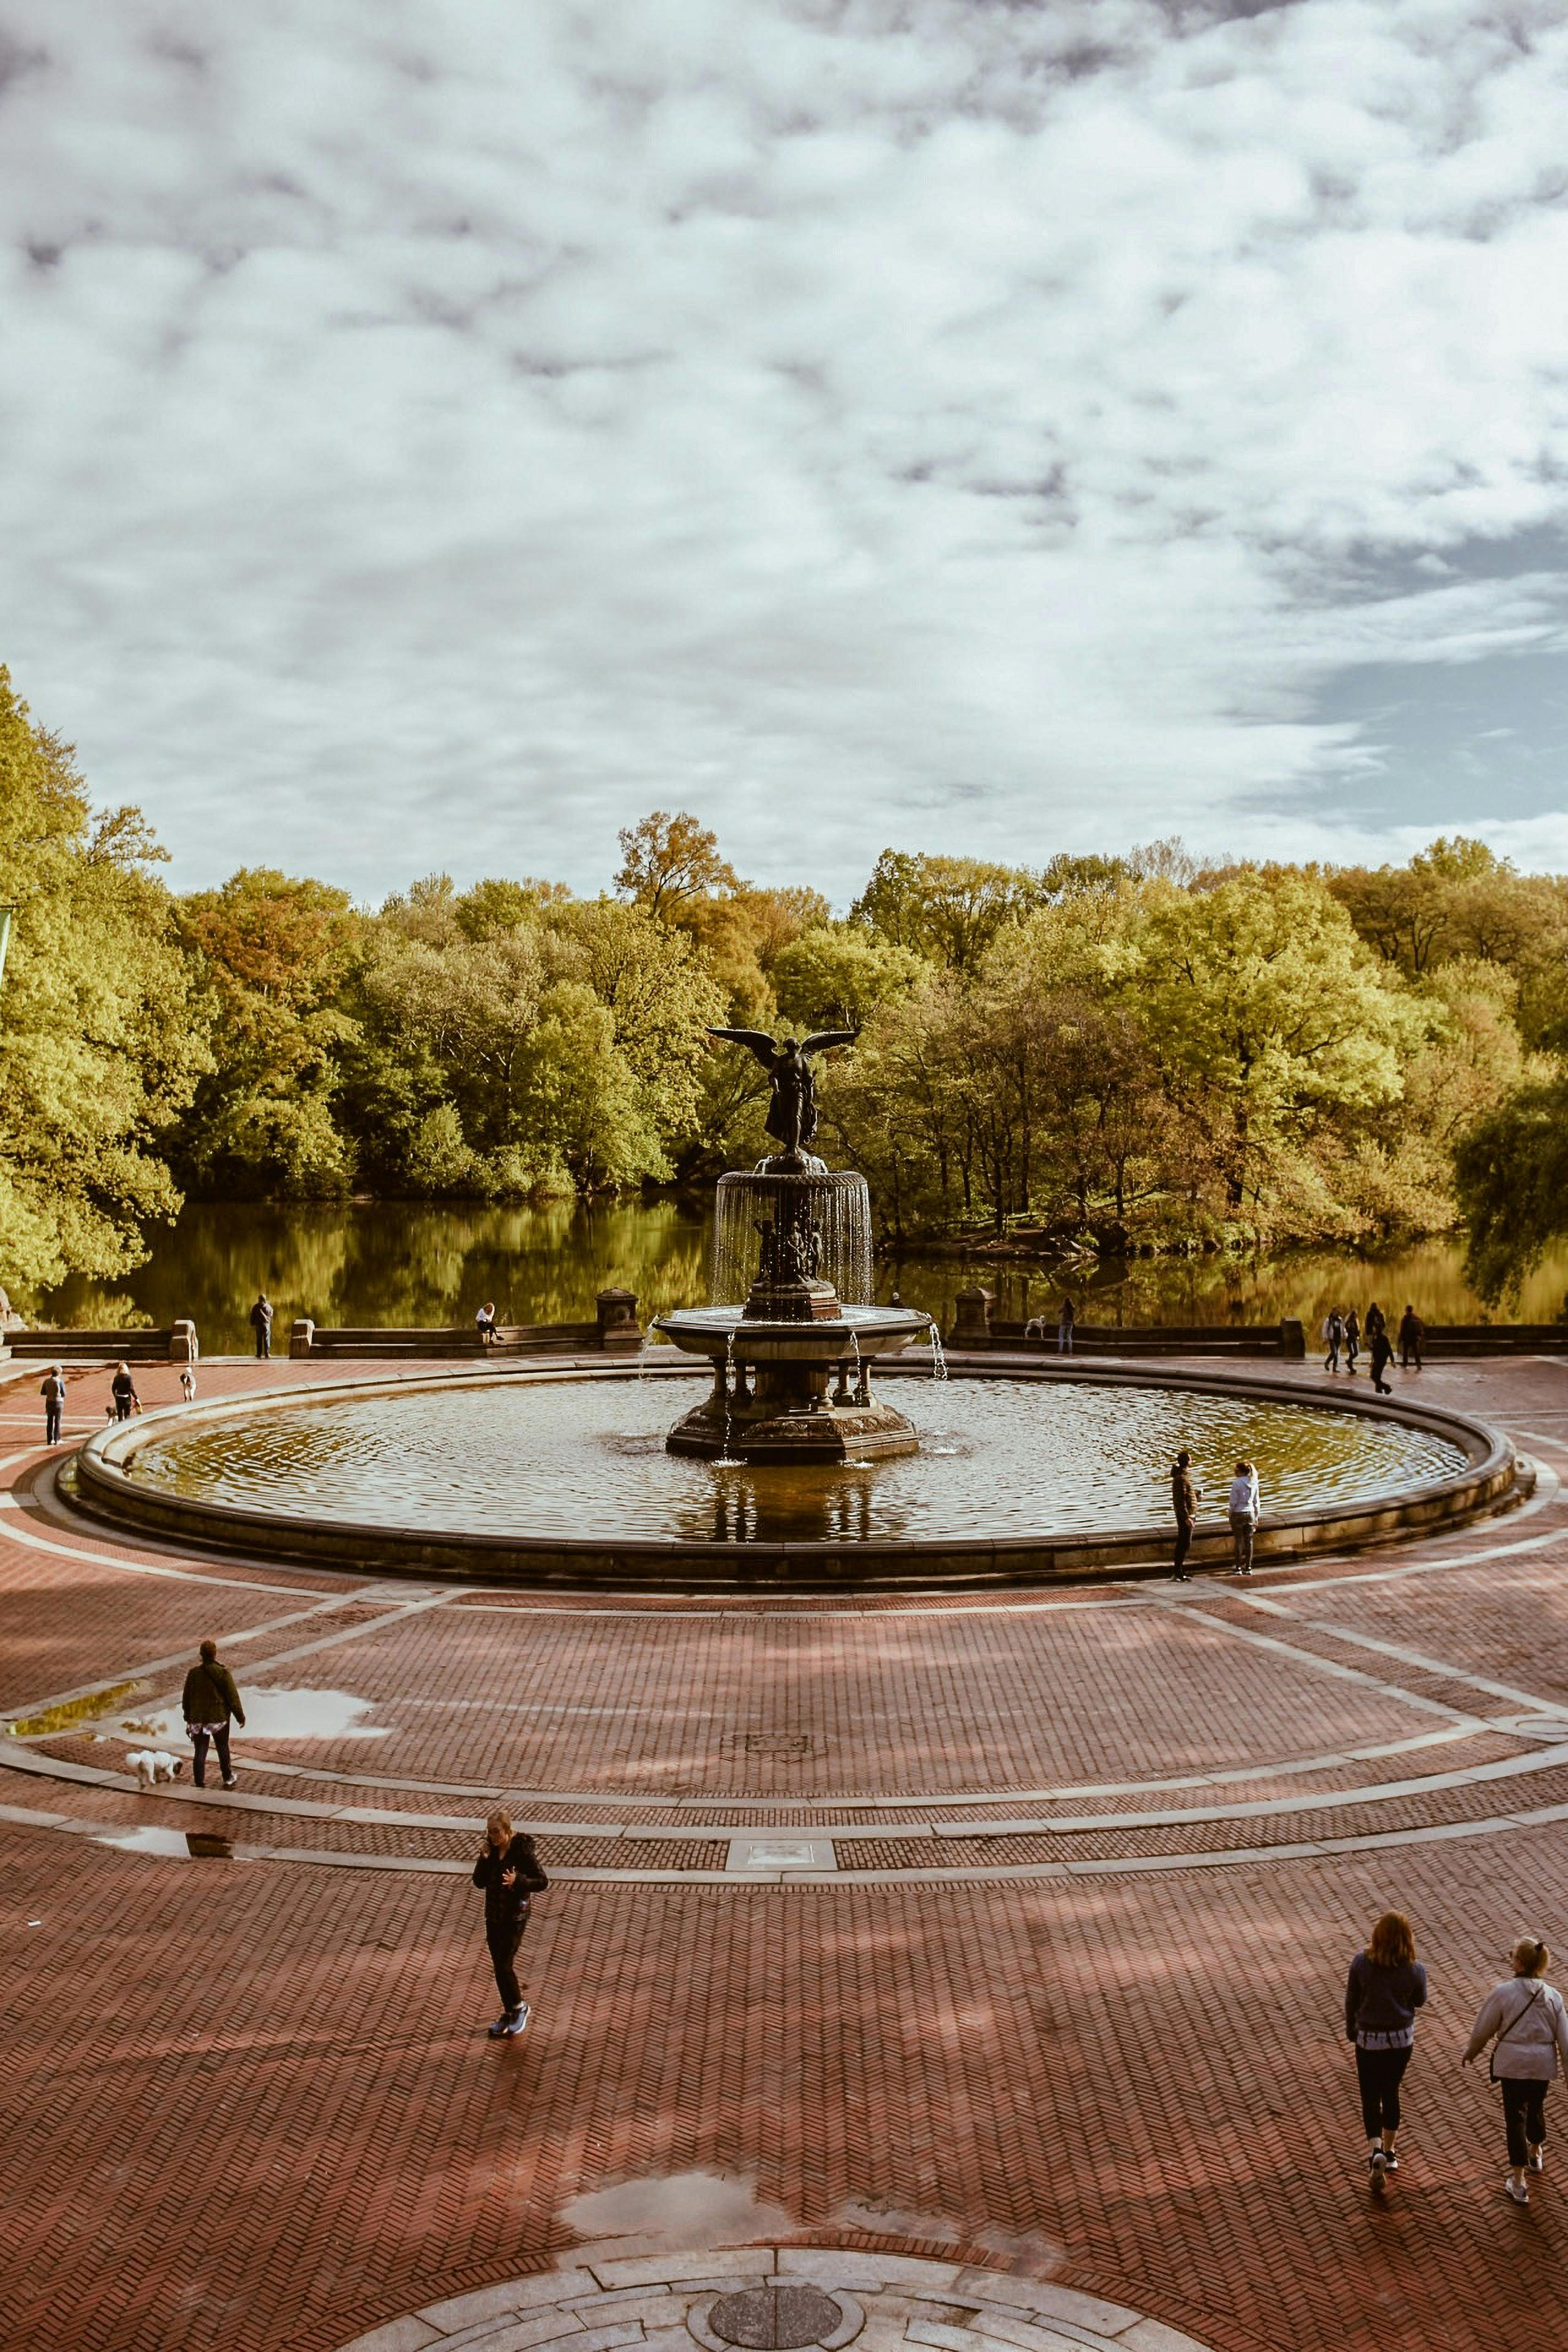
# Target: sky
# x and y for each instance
(433, 436)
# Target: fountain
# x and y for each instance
(792, 1362)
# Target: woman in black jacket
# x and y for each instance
(508, 1871)
(1387, 1985)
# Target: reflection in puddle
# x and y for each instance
(272, 1714)
(181, 1844)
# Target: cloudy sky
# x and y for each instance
(433, 435)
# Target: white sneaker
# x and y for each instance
(518, 2021)
(1516, 2190)
(1538, 2159)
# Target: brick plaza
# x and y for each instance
(1055, 1996)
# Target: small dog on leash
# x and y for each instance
(150, 1764)
(188, 1385)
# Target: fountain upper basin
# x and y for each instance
(718, 1332)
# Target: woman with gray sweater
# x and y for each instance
(1386, 1986)
(1524, 2020)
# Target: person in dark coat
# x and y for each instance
(510, 1872)
(1386, 1986)
(1184, 1502)
(1412, 1331)
(53, 1392)
(209, 1698)
(1353, 1342)
(1382, 1357)
(261, 1324)
(122, 1390)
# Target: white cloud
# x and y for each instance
(435, 435)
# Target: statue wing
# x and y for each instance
(825, 1037)
(756, 1041)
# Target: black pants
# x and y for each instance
(121, 1408)
(1184, 1539)
(1524, 2117)
(1380, 2073)
(263, 1346)
(199, 1767)
(52, 1412)
(1410, 1348)
(503, 1942)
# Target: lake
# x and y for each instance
(423, 1262)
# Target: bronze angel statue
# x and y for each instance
(792, 1114)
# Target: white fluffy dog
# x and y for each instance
(150, 1764)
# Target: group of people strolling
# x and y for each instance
(1523, 2020)
(1243, 1509)
(1343, 1333)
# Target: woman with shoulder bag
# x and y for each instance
(1387, 1985)
(1524, 2020)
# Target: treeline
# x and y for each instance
(1115, 1051)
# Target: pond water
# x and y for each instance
(406, 1261)
(997, 1458)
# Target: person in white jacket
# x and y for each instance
(1525, 2020)
(1243, 1507)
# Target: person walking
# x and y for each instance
(53, 1392)
(1376, 1321)
(1244, 1509)
(1065, 1323)
(261, 1324)
(122, 1390)
(1412, 1331)
(1184, 1502)
(1353, 1342)
(209, 1698)
(511, 1874)
(1335, 1333)
(1385, 1987)
(1382, 1357)
(1524, 2020)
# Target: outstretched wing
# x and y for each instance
(825, 1037)
(756, 1041)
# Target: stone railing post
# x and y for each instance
(302, 1332)
(185, 1348)
(971, 1323)
(619, 1325)
(1292, 1339)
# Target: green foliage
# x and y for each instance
(102, 1028)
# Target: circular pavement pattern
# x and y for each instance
(882, 2303)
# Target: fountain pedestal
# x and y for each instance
(791, 1366)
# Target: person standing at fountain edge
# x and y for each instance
(1529, 2024)
(1065, 1323)
(53, 1392)
(792, 1114)
(209, 1698)
(1385, 1987)
(1335, 1335)
(1243, 1510)
(1184, 1500)
(510, 1872)
(1412, 1331)
(261, 1324)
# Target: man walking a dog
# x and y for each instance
(209, 1698)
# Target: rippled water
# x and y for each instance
(586, 1458)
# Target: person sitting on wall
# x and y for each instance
(485, 1324)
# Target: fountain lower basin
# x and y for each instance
(792, 1389)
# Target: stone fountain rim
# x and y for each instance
(105, 1491)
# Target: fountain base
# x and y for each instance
(825, 1433)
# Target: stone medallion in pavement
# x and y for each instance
(773, 2299)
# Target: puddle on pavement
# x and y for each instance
(276, 1713)
(183, 1845)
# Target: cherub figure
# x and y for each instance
(792, 1114)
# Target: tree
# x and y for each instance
(102, 1035)
(947, 910)
(667, 861)
(835, 975)
(273, 951)
(1511, 1173)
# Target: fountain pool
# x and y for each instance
(537, 1476)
